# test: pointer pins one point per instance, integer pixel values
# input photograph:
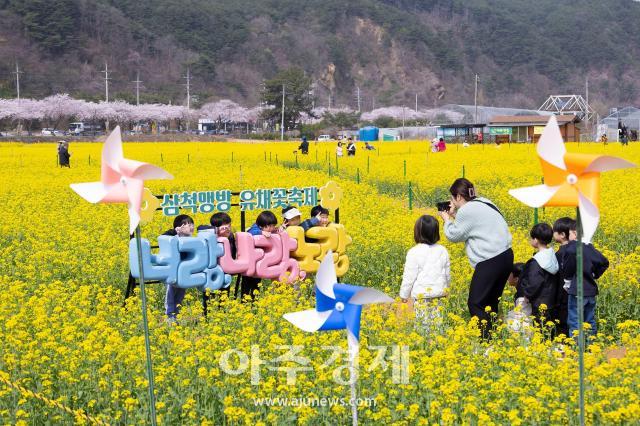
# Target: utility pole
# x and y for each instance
(282, 119)
(106, 82)
(475, 101)
(358, 90)
(137, 82)
(403, 122)
(17, 72)
(416, 102)
(106, 90)
(587, 100)
(188, 78)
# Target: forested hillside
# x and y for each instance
(390, 50)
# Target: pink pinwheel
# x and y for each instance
(121, 180)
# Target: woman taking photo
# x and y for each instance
(478, 223)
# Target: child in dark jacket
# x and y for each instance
(539, 280)
(594, 265)
(265, 224)
(564, 230)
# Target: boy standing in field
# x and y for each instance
(564, 230)
(539, 280)
(594, 265)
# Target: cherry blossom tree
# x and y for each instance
(57, 107)
(61, 106)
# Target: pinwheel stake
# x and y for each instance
(571, 180)
(122, 181)
(338, 307)
(145, 323)
(580, 297)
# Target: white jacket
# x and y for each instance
(426, 272)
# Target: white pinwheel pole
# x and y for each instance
(145, 324)
(354, 349)
(580, 297)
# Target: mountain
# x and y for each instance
(522, 50)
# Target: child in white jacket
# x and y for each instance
(426, 274)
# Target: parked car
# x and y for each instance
(52, 132)
(80, 128)
(324, 138)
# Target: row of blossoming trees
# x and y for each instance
(58, 109)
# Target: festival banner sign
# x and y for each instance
(500, 130)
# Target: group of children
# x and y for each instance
(546, 285)
(266, 224)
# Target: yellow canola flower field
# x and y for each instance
(68, 336)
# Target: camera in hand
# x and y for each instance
(443, 206)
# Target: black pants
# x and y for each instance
(248, 285)
(563, 312)
(487, 284)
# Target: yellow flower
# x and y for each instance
(67, 335)
(330, 195)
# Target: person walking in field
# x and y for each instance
(351, 148)
(304, 146)
(63, 154)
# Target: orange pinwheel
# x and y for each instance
(570, 180)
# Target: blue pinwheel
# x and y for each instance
(338, 306)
